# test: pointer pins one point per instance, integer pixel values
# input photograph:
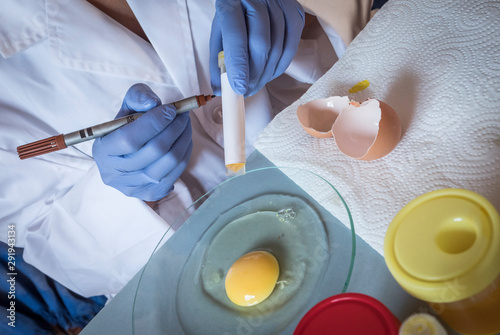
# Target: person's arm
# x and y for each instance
(340, 18)
(86, 235)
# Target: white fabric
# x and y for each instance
(436, 64)
(65, 66)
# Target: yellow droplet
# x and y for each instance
(360, 86)
(235, 167)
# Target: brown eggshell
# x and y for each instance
(318, 116)
(367, 131)
(388, 136)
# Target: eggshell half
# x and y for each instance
(318, 116)
(367, 131)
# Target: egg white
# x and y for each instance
(287, 227)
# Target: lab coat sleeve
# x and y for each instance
(74, 228)
(338, 22)
(82, 233)
(340, 18)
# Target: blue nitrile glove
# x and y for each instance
(143, 159)
(259, 39)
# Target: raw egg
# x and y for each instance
(252, 278)
(365, 131)
(286, 231)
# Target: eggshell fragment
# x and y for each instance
(318, 116)
(367, 131)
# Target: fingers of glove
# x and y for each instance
(244, 63)
(215, 48)
(152, 191)
(235, 43)
(294, 24)
(132, 137)
(139, 98)
(275, 37)
(259, 39)
(272, 32)
(168, 162)
(156, 148)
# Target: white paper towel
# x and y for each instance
(437, 63)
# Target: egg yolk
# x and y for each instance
(252, 278)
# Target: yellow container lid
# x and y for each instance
(444, 246)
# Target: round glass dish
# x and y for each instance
(181, 288)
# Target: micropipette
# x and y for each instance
(62, 141)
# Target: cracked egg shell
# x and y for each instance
(367, 131)
(318, 116)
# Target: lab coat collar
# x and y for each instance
(84, 38)
(23, 25)
(172, 39)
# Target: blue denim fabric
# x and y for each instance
(42, 305)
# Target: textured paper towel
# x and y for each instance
(437, 63)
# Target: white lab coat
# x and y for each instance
(66, 66)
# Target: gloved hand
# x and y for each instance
(143, 159)
(259, 39)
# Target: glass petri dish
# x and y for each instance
(181, 288)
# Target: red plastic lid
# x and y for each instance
(348, 313)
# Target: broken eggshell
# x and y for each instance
(365, 131)
(318, 116)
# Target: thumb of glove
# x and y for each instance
(139, 98)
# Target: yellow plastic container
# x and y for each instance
(444, 248)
